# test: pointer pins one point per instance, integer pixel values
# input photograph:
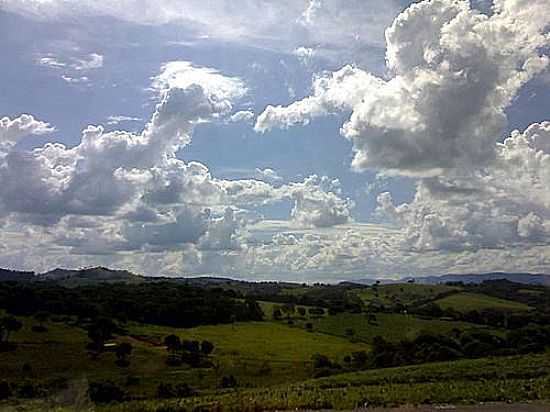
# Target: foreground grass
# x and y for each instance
(508, 379)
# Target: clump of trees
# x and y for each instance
(430, 347)
(123, 352)
(8, 325)
(163, 303)
(191, 352)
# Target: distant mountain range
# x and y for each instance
(94, 275)
(73, 277)
(527, 278)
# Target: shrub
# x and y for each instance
(167, 390)
(207, 347)
(5, 390)
(229, 382)
(321, 361)
(105, 392)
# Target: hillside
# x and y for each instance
(114, 341)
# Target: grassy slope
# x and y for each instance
(257, 354)
(405, 293)
(393, 327)
(466, 381)
(473, 301)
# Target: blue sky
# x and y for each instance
(297, 140)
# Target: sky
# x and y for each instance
(300, 140)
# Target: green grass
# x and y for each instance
(244, 349)
(257, 354)
(392, 327)
(507, 379)
(464, 302)
(267, 308)
(405, 293)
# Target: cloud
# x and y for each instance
(318, 202)
(114, 120)
(12, 130)
(245, 116)
(281, 26)
(90, 62)
(454, 72)
(304, 54)
(331, 94)
(506, 205)
(119, 192)
(268, 175)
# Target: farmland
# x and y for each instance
(315, 347)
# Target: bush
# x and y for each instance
(229, 382)
(29, 390)
(167, 391)
(207, 347)
(321, 361)
(105, 392)
(39, 329)
(5, 390)
(132, 380)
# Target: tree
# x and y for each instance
(100, 331)
(42, 317)
(123, 351)
(8, 324)
(207, 347)
(172, 343)
(320, 361)
(301, 311)
(277, 314)
(372, 318)
(191, 346)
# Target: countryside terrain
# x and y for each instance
(104, 340)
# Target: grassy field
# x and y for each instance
(464, 302)
(257, 354)
(404, 293)
(392, 327)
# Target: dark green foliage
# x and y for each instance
(105, 392)
(321, 361)
(99, 332)
(277, 313)
(207, 347)
(192, 346)
(229, 382)
(5, 390)
(168, 390)
(164, 303)
(172, 343)
(316, 311)
(123, 351)
(8, 325)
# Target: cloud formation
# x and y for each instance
(118, 192)
(283, 25)
(12, 130)
(505, 205)
(454, 72)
